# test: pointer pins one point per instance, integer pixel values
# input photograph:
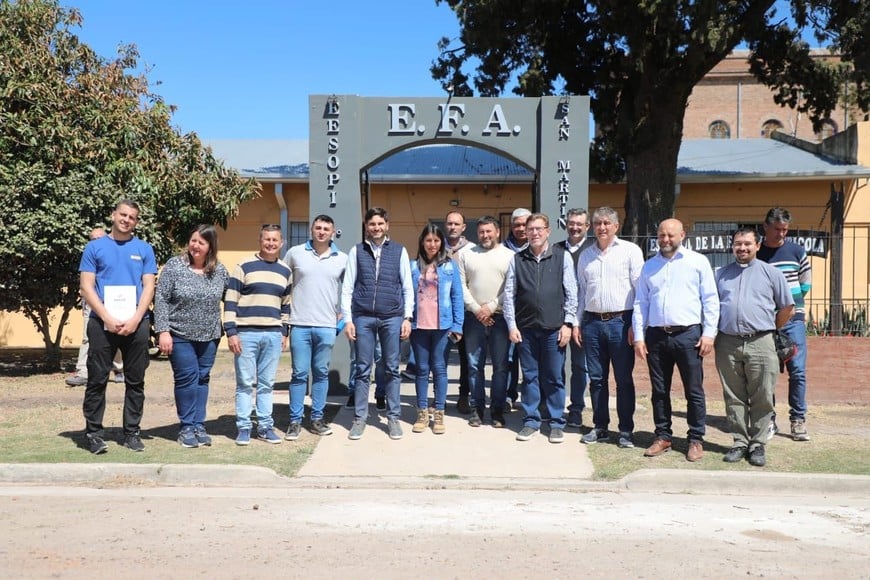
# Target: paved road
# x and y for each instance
(174, 532)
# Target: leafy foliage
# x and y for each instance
(639, 62)
(77, 133)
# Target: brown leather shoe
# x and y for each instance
(658, 447)
(695, 452)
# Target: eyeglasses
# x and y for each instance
(269, 227)
(536, 229)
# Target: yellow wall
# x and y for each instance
(411, 205)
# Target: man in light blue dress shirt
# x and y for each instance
(676, 313)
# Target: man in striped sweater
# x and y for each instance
(791, 259)
(256, 320)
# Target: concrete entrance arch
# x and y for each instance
(348, 133)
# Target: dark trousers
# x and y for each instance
(464, 390)
(134, 352)
(664, 351)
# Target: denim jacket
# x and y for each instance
(451, 309)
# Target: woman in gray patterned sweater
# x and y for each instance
(187, 318)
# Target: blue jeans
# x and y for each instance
(797, 370)
(429, 347)
(310, 351)
(380, 371)
(480, 340)
(606, 343)
(369, 329)
(543, 363)
(256, 365)
(191, 368)
(579, 377)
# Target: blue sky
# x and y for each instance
(239, 70)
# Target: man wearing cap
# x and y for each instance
(517, 241)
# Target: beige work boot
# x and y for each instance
(438, 426)
(422, 421)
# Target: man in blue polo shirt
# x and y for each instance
(118, 274)
(754, 300)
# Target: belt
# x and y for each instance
(749, 335)
(674, 329)
(608, 315)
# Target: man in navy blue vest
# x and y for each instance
(540, 305)
(377, 301)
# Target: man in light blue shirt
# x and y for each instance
(676, 313)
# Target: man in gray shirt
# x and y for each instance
(754, 301)
(317, 270)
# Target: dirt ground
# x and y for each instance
(389, 533)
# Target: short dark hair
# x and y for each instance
(576, 211)
(489, 220)
(742, 230)
(376, 211)
(323, 218)
(777, 214)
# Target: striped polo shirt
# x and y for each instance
(258, 297)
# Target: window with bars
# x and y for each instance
(719, 130)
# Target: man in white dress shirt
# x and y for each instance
(606, 276)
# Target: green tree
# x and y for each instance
(639, 62)
(77, 133)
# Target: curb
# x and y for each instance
(669, 481)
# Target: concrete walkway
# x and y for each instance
(462, 451)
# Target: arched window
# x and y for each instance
(829, 129)
(769, 127)
(719, 130)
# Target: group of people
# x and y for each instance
(524, 304)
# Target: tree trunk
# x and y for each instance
(42, 320)
(650, 173)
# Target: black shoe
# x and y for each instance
(350, 402)
(134, 442)
(734, 455)
(381, 403)
(96, 444)
(756, 456)
(462, 405)
(476, 419)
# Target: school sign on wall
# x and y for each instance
(348, 134)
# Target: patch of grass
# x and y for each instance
(837, 444)
(41, 422)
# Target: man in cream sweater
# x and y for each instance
(483, 269)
